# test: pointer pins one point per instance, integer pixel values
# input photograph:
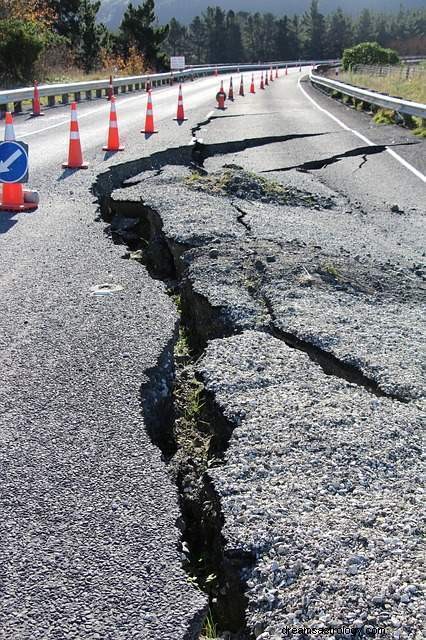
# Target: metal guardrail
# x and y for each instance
(123, 85)
(372, 97)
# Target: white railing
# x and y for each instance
(371, 97)
(125, 84)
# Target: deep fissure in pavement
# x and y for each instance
(188, 427)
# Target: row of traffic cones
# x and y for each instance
(265, 79)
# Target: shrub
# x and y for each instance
(368, 53)
(21, 44)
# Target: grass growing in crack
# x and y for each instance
(384, 116)
(234, 181)
(329, 268)
(209, 631)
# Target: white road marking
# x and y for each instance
(395, 155)
(209, 115)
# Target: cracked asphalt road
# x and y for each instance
(89, 536)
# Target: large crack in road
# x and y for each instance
(185, 412)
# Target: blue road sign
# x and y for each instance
(13, 161)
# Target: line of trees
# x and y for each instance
(37, 35)
(220, 36)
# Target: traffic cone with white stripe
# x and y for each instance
(231, 90)
(75, 156)
(9, 131)
(113, 143)
(271, 77)
(262, 86)
(36, 102)
(242, 86)
(149, 118)
(12, 197)
(180, 114)
(252, 89)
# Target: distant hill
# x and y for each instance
(111, 11)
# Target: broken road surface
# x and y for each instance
(296, 285)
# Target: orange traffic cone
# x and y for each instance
(75, 156)
(180, 115)
(271, 77)
(113, 143)
(252, 89)
(262, 86)
(266, 79)
(286, 70)
(242, 86)
(300, 69)
(110, 90)
(276, 72)
(12, 194)
(231, 90)
(149, 119)
(36, 102)
(9, 131)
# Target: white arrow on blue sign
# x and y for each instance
(13, 161)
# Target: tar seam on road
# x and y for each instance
(397, 157)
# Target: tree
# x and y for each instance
(339, 34)
(214, 19)
(234, 44)
(313, 28)
(364, 27)
(282, 40)
(67, 18)
(137, 28)
(90, 35)
(175, 37)
(197, 36)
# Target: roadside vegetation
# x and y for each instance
(63, 40)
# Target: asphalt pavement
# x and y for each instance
(91, 537)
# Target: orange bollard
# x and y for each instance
(221, 97)
(262, 86)
(252, 89)
(149, 119)
(180, 114)
(75, 156)
(113, 143)
(242, 86)
(231, 90)
(110, 91)
(36, 102)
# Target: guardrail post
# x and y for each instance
(50, 101)
(89, 94)
(130, 87)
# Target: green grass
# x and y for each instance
(209, 631)
(411, 89)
